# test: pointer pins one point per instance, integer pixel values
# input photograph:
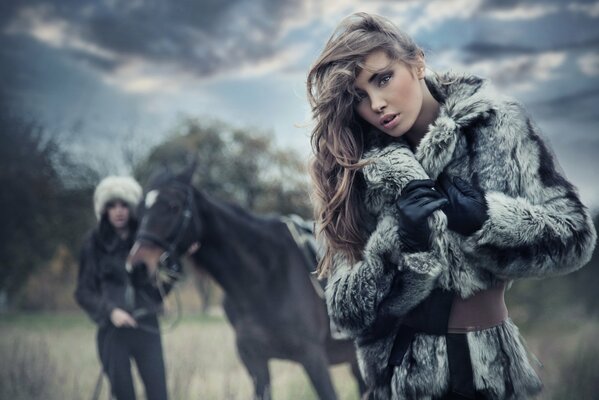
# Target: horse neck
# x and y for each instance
(233, 245)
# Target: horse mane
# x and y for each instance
(163, 176)
(239, 213)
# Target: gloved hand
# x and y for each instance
(417, 202)
(467, 208)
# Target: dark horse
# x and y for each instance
(270, 299)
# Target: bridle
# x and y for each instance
(172, 251)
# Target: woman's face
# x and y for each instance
(118, 214)
(391, 94)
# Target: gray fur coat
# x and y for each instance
(537, 227)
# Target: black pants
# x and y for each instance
(116, 347)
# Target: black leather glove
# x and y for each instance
(467, 208)
(417, 202)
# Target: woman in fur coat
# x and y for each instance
(433, 192)
(122, 305)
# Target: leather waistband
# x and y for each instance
(444, 313)
(485, 309)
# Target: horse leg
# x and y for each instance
(343, 351)
(257, 367)
(316, 365)
(203, 285)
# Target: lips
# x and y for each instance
(389, 121)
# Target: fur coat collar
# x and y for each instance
(465, 100)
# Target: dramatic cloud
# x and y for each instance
(579, 106)
(590, 9)
(589, 64)
(523, 12)
(438, 11)
(201, 37)
(517, 73)
(477, 50)
(114, 69)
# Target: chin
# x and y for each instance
(396, 134)
(120, 225)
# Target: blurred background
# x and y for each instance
(91, 88)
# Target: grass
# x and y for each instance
(53, 356)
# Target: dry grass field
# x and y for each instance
(53, 356)
(49, 357)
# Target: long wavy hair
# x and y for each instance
(340, 136)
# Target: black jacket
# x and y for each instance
(103, 283)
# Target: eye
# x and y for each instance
(173, 207)
(385, 79)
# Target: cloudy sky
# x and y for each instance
(103, 72)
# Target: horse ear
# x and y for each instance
(159, 176)
(187, 174)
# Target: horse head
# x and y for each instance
(170, 226)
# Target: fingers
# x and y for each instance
(417, 189)
(447, 184)
(412, 202)
(122, 318)
(418, 183)
(467, 189)
(421, 209)
(430, 206)
(419, 194)
(462, 186)
(130, 321)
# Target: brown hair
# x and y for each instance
(339, 135)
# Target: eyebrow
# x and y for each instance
(378, 73)
(374, 76)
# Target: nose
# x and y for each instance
(377, 104)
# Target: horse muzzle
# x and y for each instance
(146, 252)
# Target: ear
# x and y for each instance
(159, 177)
(187, 174)
(421, 66)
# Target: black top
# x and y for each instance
(103, 283)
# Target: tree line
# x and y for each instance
(46, 197)
(46, 202)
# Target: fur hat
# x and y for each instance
(111, 188)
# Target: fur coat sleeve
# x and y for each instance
(355, 293)
(367, 300)
(88, 293)
(537, 225)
